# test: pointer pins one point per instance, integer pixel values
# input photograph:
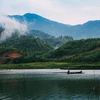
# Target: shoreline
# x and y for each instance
(52, 65)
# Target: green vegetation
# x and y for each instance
(76, 47)
(34, 65)
(93, 56)
(51, 65)
(4, 49)
(85, 50)
(29, 47)
(78, 54)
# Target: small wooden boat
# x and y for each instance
(78, 72)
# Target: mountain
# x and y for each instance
(90, 29)
(36, 22)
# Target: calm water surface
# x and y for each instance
(49, 85)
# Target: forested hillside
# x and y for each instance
(28, 46)
(33, 49)
(85, 50)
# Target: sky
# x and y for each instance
(64, 11)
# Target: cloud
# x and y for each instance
(65, 11)
(10, 26)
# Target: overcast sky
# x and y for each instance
(64, 11)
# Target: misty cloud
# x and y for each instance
(10, 26)
(65, 11)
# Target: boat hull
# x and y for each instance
(80, 72)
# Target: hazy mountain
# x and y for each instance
(53, 41)
(90, 29)
(36, 22)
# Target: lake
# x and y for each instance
(49, 84)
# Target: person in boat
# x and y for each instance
(68, 72)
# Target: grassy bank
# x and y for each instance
(51, 65)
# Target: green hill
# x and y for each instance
(28, 46)
(85, 50)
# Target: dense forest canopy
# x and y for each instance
(84, 50)
(28, 46)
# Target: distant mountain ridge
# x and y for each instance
(90, 29)
(36, 22)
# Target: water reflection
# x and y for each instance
(49, 86)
